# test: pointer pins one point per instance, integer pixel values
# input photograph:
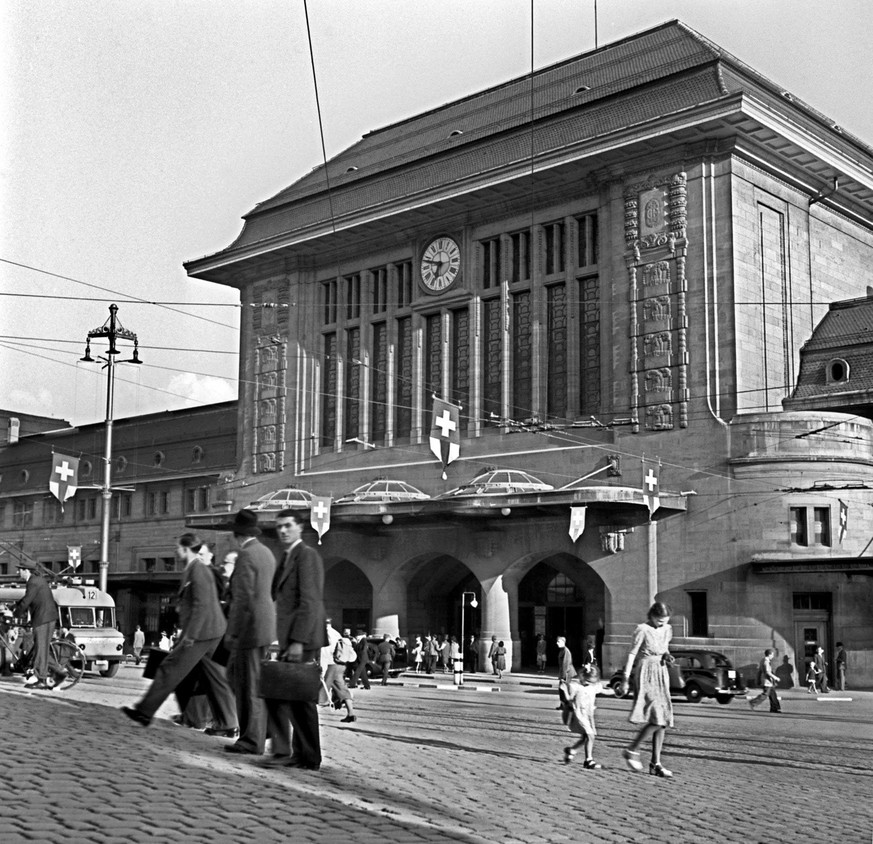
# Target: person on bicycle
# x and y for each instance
(40, 602)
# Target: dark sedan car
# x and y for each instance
(698, 674)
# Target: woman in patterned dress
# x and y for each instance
(652, 705)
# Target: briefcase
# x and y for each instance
(156, 657)
(295, 681)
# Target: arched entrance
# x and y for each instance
(433, 598)
(560, 596)
(348, 597)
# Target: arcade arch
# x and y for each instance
(348, 596)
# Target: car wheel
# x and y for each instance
(724, 699)
(615, 685)
(693, 693)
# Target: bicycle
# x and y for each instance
(65, 654)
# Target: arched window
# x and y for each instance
(158, 458)
(196, 454)
(120, 463)
(562, 590)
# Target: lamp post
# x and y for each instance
(473, 603)
(112, 330)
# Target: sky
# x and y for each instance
(135, 135)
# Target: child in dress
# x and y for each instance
(811, 687)
(578, 714)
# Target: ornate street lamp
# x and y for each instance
(112, 330)
(473, 603)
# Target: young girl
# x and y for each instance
(811, 687)
(578, 714)
(418, 654)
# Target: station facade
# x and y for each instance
(610, 266)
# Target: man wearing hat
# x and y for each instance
(251, 627)
(40, 602)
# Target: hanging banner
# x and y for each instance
(319, 516)
(74, 556)
(64, 479)
(844, 519)
(445, 432)
(650, 486)
(577, 522)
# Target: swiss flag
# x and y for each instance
(319, 516)
(651, 486)
(445, 432)
(577, 522)
(64, 480)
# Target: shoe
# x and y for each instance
(32, 680)
(658, 770)
(233, 732)
(632, 760)
(42, 684)
(591, 765)
(299, 763)
(275, 761)
(349, 719)
(135, 715)
(775, 711)
(241, 748)
(569, 755)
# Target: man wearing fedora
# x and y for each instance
(40, 602)
(251, 626)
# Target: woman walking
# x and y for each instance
(652, 705)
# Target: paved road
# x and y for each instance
(434, 765)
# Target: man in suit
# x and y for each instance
(364, 660)
(301, 631)
(203, 625)
(821, 670)
(251, 625)
(769, 681)
(40, 602)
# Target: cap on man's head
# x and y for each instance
(245, 523)
(26, 564)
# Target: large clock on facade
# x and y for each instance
(440, 264)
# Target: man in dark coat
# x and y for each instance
(386, 657)
(301, 631)
(203, 625)
(251, 625)
(364, 660)
(40, 602)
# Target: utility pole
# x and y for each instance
(112, 330)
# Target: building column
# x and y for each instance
(389, 606)
(499, 610)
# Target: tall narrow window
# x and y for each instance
(380, 290)
(587, 240)
(589, 346)
(554, 247)
(521, 256)
(492, 363)
(403, 380)
(328, 297)
(404, 284)
(352, 406)
(379, 384)
(490, 263)
(353, 296)
(522, 358)
(433, 358)
(556, 337)
(821, 526)
(698, 621)
(329, 390)
(797, 520)
(459, 377)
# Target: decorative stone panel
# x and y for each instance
(655, 228)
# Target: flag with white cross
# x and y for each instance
(650, 485)
(64, 479)
(445, 432)
(319, 515)
(844, 518)
(577, 522)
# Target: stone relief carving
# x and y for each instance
(659, 380)
(612, 539)
(656, 309)
(659, 417)
(657, 273)
(656, 345)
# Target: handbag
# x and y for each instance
(293, 681)
(156, 657)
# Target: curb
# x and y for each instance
(448, 687)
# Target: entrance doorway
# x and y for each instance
(812, 629)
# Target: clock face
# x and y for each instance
(440, 264)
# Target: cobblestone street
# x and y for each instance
(435, 764)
